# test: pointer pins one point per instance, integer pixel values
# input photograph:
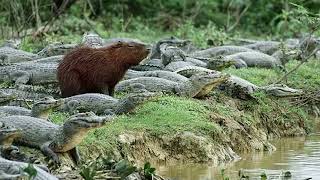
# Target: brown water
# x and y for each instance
(301, 156)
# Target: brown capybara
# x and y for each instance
(98, 70)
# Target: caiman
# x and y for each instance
(51, 138)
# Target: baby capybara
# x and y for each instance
(98, 70)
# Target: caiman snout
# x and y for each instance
(6, 133)
(89, 120)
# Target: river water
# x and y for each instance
(299, 155)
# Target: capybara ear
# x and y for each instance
(118, 44)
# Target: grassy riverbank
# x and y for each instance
(172, 128)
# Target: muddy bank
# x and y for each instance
(170, 129)
(297, 155)
(242, 127)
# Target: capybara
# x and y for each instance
(98, 70)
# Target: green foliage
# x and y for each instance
(124, 168)
(58, 117)
(293, 21)
(264, 176)
(200, 35)
(88, 172)
(306, 77)
(18, 17)
(224, 177)
(121, 169)
(31, 171)
(148, 171)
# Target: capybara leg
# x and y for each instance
(105, 90)
(111, 91)
(72, 86)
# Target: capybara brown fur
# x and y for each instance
(98, 70)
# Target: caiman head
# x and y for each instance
(204, 82)
(7, 135)
(281, 90)
(75, 129)
(132, 100)
(44, 106)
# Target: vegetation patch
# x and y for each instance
(219, 119)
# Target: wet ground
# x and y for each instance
(300, 156)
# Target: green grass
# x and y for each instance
(306, 77)
(167, 115)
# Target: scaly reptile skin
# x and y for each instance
(51, 138)
(29, 73)
(198, 85)
(40, 109)
(13, 170)
(10, 55)
(104, 104)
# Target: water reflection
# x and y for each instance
(301, 156)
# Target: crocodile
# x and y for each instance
(173, 66)
(7, 135)
(172, 76)
(12, 94)
(51, 59)
(198, 85)
(307, 45)
(7, 150)
(16, 97)
(280, 90)
(14, 170)
(252, 59)
(104, 104)
(286, 54)
(14, 43)
(92, 39)
(241, 88)
(29, 73)
(49, 89)
(219, 63)
(156, 52)
(220, 50)
(10, 55)
(238, 88)
(40, 109)
(267, 47)
(5, 97)
(189, 71)
(169, 54)
(196, 61)
(107, 42)
(51, 138)
(146, 67)
(292, 42)
(56, 49)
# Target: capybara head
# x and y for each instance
(130, 52)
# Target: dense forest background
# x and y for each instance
(256, 17)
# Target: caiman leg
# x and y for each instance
(46, 150)
(22, 77)
(74, 154)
